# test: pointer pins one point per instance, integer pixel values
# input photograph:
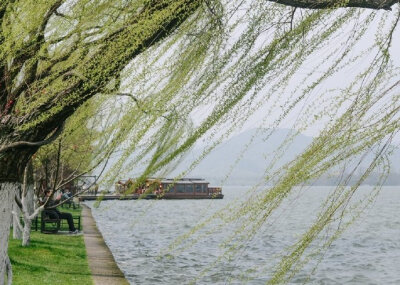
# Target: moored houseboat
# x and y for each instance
(164, 188)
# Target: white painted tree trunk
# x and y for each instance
(28, 202)
(7, 194)
(17, 233)
(28, 217)
(26, 234)
(28, 207)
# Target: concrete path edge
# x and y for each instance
(101, 261)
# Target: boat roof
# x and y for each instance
(185, 181)
(175, 181)
(180, 181)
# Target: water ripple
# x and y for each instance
(139, 232)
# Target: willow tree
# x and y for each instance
(56, 165)
(56, 55)
(53, 62)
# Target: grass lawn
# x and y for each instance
(50, 259)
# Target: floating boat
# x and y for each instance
(155, 188)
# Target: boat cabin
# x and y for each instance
(184, 188)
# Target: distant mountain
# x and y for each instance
(258, 155)
(254, 157)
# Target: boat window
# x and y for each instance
(205, 188)
(189, 188)
(168, 187)
(199, 188)
(180, 188)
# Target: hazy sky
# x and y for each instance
(336, 82)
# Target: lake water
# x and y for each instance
(139, 232)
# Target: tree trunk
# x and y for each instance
(12, 165)
(27, 216)
(28, 202)
(26, 234)
(28, 209)
(7, 194)
(17, 234)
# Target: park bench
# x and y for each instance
(51, 223)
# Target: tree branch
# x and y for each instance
(83, 190)
(28, 54)
(40, 143)
(138, 105)
(70, 177)
(18, 222)
(36, 212)
(18, 201)
(57, 166)
(327, 4)
(111, 58)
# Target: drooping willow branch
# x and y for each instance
(137, 102)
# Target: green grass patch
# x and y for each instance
(50, 259)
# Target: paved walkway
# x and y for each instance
(101, 261)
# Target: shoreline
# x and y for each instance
(102, 264)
